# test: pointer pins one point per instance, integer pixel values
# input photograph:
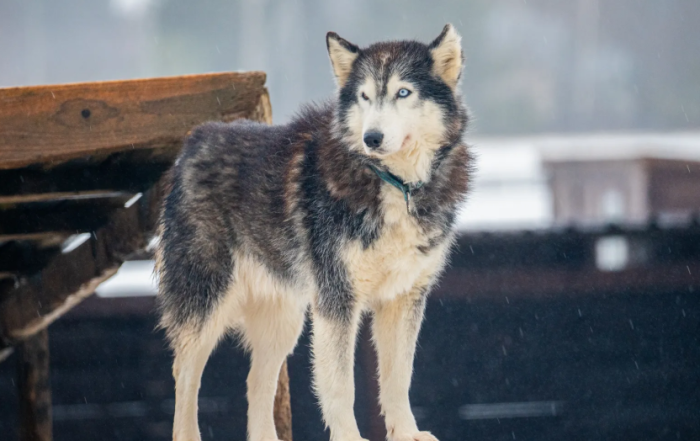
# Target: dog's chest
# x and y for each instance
(400, 259)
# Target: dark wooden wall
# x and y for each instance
(625, 367)
(530, 320)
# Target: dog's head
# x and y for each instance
(398, 96)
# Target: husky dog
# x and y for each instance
(348, 208)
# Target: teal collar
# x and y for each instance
(406, 189)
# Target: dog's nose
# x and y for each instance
(373, 139)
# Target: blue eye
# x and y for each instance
(403, 93)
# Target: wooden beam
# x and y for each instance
(24, 258)
(283, 406)
(73, 217)
(69, 278)
(7, 275)
(34, 388)
(40, 240)
(52, 124)
(124, 172)
(60, 196)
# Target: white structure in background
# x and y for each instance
(511, 189)
(135, 278)
(508, 189)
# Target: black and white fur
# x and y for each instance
(262, 222)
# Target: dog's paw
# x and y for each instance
(419, 436)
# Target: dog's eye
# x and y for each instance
(403, 93)
(364, 96)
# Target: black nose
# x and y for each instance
(373, 139)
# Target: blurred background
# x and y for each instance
(570, 310)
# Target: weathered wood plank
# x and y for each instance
(60, 196)
(69, 278)
(40, 240)
(64, 216)
(34, 388)
(24, 257)
(283, 406)
(52, 124)
(121, 172)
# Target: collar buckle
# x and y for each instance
(406, 189)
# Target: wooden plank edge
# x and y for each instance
(34, 386)
(41, 240)
(133, 239)
(71, 277)
(92, 93)
(263, 111)
(51, 89)
(59, 196)
(85, 290)
(283, 406)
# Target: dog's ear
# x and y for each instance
(343, 54)
(446, 51)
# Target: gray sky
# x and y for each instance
(532, 67)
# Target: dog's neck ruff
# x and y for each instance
(406, 189)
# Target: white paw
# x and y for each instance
(418, 436)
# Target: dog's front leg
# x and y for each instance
(395, 330)
(333, 352)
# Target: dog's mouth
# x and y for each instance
(405, 142)
(381, 151)
(374, 153)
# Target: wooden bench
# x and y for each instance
(80, 190)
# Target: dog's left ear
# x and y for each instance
(446, 51)
(343, 54)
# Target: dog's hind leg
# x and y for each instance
(192, 348)
(271, 329)
(194, 282)
(395, 330)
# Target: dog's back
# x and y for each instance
(230, 193)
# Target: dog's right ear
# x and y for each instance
(342, 54)
(446, 51)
